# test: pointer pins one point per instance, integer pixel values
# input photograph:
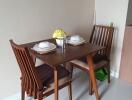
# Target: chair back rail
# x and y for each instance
(102, 35)
(30, 80)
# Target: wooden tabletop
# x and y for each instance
(70, 52)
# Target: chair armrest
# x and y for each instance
(80, 64)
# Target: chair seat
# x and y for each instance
(99, 61)
(46, 73)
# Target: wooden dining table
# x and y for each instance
(63, 55)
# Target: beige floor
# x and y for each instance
(116, 90)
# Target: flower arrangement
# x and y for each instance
(59, 34)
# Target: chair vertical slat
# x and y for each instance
(100, 36)
(27, 76)
(103, 40)
(97, 35)
(96, 38)
(107, 37)
(109, 43)
(92, 35)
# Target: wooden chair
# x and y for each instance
(101, 35)
(38, 81)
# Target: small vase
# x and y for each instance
(60, 42)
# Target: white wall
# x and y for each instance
(31, 20)
(115, 11)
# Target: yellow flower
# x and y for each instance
(59, 33)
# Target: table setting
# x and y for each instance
(61, 38)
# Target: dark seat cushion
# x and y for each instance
(96, 58)
(46, 73)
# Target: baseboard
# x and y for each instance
(114, 74)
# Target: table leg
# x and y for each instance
(56, 84)
(92, 76)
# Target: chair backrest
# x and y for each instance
(102, 35)
(30, 79)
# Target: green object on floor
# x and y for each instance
(101, 74)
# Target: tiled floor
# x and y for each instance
(116, 90)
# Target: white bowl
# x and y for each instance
(44, 45)
(75, 38)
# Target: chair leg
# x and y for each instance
(40, 99)
(70, 91)
(22, 94)
(39, 96)
(92, 76)
(90, 87)
(108, 70)
(56, 85)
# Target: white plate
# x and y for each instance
(76, 42)
(44, 50)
